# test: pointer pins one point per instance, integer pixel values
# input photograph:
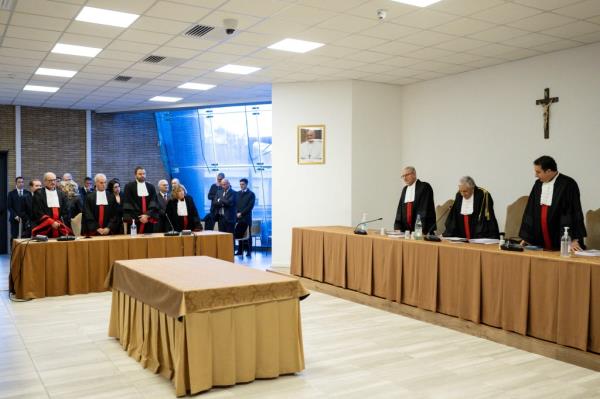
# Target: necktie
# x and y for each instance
(20, 193)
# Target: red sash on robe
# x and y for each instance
(409, 214)
(467, 226)
(101, 216)
(185, 222)
(545, 231)
(45, 226)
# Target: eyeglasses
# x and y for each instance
(406, 174)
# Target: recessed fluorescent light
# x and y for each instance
(63, 73)
(237, 69)
(71, 49)
(418, 3)
(106, 17)
(45, 89)
(295, 45)
(196, 86)
(166, 99)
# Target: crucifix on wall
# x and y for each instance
(546, 102)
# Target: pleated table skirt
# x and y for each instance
(211, 348)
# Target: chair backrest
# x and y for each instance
(514, 217)
(439, 211)
(76, 224)
(256, 227)
(592, 221)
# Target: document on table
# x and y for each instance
(588, 253)
(454, 240)
(486, 241)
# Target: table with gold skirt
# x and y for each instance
(533, 293)
(54, 268)
(204, 322)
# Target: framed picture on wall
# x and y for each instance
(311, 144)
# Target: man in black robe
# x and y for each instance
(245, 204)
(225, 204)
(472, 214)
(49, 210)
(213, 194)
(99, 210)
(553, 204)
(140, 204)
(416, 199)
(17, 205)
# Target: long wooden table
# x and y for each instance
(204, 322)
(534, 293)
(54, 268)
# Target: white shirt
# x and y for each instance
(548, 192)
(142, 190)
(52, 199)
(311, 150)
(181, 208)
(410, 193)
(467, 205)
(101, 198)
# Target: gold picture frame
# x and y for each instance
(311, 150)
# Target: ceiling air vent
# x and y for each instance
(198, 30)
(154, 59)
(123, 78)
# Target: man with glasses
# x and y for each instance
(416, 199)
(49, 210)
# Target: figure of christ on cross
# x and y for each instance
(546, 102)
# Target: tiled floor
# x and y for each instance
(58, 348)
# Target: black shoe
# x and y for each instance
(239, 253)
(249, 254)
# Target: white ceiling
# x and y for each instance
(412, 44)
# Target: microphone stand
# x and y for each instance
(432, 237)
(361, 231)
(171, 233)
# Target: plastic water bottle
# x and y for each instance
(133, 230)
(565, 243)
(363, 226)
(418, 228)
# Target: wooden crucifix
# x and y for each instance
(546, 102)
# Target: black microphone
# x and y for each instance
(432, 237)
(171, 233)
(65, 237)
(361, 231)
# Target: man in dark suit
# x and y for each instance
(162, 198)
(226, 207)
(88, 187)
(245, 204)
(213, 194)
(17, 204)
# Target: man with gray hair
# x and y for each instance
(416, 199)
(162, 197)
(49, 210)
(100, 210)
(472, 214)
(213, 194)
(225, 204)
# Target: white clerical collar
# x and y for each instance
(182, 208)
(548, 192)
(142, 190)
(467, 205)
(52, 199)
(101, 198)
(410, 193)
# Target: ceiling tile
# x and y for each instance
(34, 45)
(556, 46)
(427, 38)
(364, 56)
(396, 48)
(541, 22)
(368, 9)
(461, 44)
(160, 25)
(253, 39)
(4, 17)
(506, 13)
(492, 50)
(585, 9)
(465, 7)
(36, 21)
(305, 15)
(335, 51)
(192, 44)
(348, 23)
(69, 59)
(424, 19)
(319, 35)
(463, 26)
(546, 4)
(47, 8)
(234, 49)
(359, 42)
(216, 19)
(7, 52)
(258, 8)
(132, 47)
(142, 36)
(460, 58)
(588, 38)
(429, 53)
(84, 28)
(83, 40)
(22, 32)
(389, 31)
(120, 55)
(574, 29)
(498, 34)
(519, 54)
(530, 40)
(167, 51)
(279, 27)
(400, 61)
(178, 12)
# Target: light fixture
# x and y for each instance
(63, 73)
(196, 86)
(237, 69)
(45, 89)
(165, 99)
(71, 49)
(418, 3)
(106, 17)
(295, 45)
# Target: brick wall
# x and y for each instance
(120, 142)
(7, 139)
(53, 140)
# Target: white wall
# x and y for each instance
(310, 195)
(485, 124)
